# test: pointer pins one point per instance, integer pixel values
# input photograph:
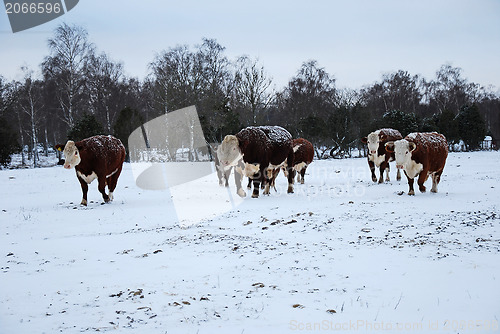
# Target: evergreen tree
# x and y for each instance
(128, 120)
(448, 126)
(87, 126)
(8, 142)
(396, 119)
(471, 126)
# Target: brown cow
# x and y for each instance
(98, 157)
(263, 149)
(377, 154)
(303, 155)
(421, 154)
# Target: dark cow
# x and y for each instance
(280, 155)
(377, 154)
(303, 155)
(98, 157)
(421, 154)
(263, 149)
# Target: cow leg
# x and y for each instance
(112, 181)
(398, 175)
(302, 173)
(387, 171)
(411, 192)
(226, 174)
(436, 177)
(256, 186)
(291, 171)
(237, 182)
(372, 169)
(249, 186)
(220, 175)
(267, 186)
(102, 188)
(383, 166)
(85, 189)
(275, 175)
(422, 177)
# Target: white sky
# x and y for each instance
(354, 40)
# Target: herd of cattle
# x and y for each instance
(260, 152)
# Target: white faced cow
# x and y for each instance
(98, 157)
(422, 154)
(377, 154)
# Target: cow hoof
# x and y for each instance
(84, 202)
(241, 192)
(255, 195)
(302, 181)
(381, 181)
(434, 191)
(374, 179)
(422, 189)
(411, 193)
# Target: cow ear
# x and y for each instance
(383, 137)
(412, 146)
(364, 140)
(389, 146)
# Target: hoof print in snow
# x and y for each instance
(298, 306)
(258, 285)
(331, 311)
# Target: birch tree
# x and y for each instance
(69, 53)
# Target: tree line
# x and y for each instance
(82, 92)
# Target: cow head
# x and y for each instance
(229, 152)
(71, 155)
(373, 140)
(402, 151)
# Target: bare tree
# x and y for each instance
(252, 85)
(103, 80)
(69, 54)
(30, 98)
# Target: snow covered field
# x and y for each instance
(341, 254)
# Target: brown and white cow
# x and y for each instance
(263, 150)
(99, 157)
(303, 155)
(422, 154)
(377, 154)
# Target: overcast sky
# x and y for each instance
(354, 40)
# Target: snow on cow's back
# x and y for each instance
(253, 135)
(104, 147)
(276, 133)
(429, 140)
(391, 133)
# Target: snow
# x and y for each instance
(428, 140)
(341, 253)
